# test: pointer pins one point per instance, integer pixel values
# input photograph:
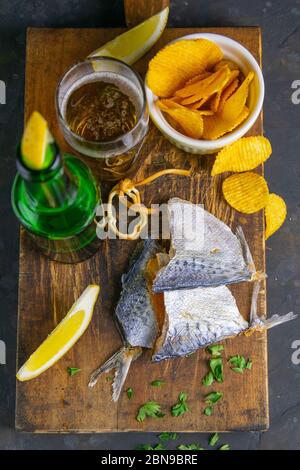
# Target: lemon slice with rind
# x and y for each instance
(34, 144)
(135, 42)
(63, 337)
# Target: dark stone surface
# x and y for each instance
(280, 22)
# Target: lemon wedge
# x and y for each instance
(63, 337)
(135, 42)
(34, 144)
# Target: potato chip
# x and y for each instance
(229, 63)
(243, 155)
(178, 62)
(199, 87)
(227, 92)
(207, 91)
(166, 103)
(275, 214)
(197, 78)
(215, 126)
(234, 105)
(190, 121)
(215, 102)
(246, 192)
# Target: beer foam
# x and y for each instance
(127, 87)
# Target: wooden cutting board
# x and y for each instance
(55, 402)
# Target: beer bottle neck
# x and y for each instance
(51, 187)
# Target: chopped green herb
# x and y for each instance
(208, 379)
(213, 397)
(150, 409)
(213, 439)
(224, 447)
(189, 447)
(159, 447)
(158, 383)
(216, 366)
(215, 349)
(130, 393)
(239, 363)
(144, 447)
(181, 407)
(168, 436)
(73, 370)
(109, 378)
(208, 410)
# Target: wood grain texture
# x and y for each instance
(55, 402)
(137, 11)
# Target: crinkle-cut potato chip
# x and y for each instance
(243, 155)
(237, 100)
(227, 92)
(190, 121)
(200, 86)
(275, 214)
(213, 87)
(216, 126)
(246, 192)
(215, 102)
(197, 78)
(166, 103)
(180, 61)
(229, 63)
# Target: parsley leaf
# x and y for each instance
(130, 393)
(208, 410)
(73, 370)
(158, 383)
(150, 409)
(168, 436)
(144, 447)
(159, 447)
(189, 447)
(215, 349)
(216, 366)
(213, 439)
(109, 378)
(208, 379)
(224, 447)
(239, 363)
(213, 397)
(181, 407)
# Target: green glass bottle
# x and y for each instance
(57, 205)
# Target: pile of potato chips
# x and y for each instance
(203, 95)
(246, 191)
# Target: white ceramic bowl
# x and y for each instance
(239, 54)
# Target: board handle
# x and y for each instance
(137, 11)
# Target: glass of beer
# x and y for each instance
(102, 112)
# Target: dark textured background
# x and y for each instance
(280, 23)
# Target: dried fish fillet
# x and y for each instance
(196, 318)
(207, 252)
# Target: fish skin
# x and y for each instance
(134, 312)
(196, 318)
(210, 257)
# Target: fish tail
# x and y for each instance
(245, 248)
(121, 362)
(279, 319)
